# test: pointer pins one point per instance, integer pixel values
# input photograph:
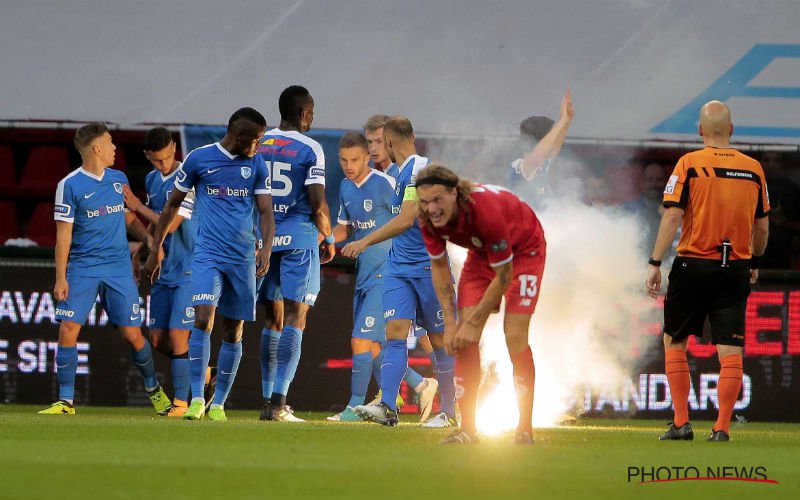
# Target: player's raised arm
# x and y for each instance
(549, 146)
(397, 225)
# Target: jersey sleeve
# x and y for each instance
(187, 205)
(316, 168)
(676, 192)
(343, 217)
(66, 204)
(436, 246)
(263, 180)
(186, 177)
(494, 235)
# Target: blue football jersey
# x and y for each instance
(393, 170)
(96, 209)
(295, 161)
(366, 207)
(178, 247)
(408, 257)
(225, 187)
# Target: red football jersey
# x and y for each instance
(497, 224)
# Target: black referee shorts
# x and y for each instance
(701, 287)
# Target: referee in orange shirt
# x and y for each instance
(719, 195)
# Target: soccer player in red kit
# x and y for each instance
(506, 258)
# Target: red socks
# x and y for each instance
(524, 376)
(677, 369)
(468, 378)
(728, 386)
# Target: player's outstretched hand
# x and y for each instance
(152, 268)
(326, 252)
(353, 249)
(131, 200)
(262, 261)
(567, 111)
(653, 281)
(61, 289)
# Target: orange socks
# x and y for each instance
(730, 382)
(468, 377)
(677, 369)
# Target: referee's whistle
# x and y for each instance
(725, 248)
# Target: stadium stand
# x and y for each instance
(42, 227)
(8, 174)
(45, 167)
(9, 225)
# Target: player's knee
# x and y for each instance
(133, 335)
(68, 333)
(516, 342)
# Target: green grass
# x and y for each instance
(128, 453)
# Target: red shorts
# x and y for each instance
(521, 296)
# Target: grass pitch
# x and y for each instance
(129, 453)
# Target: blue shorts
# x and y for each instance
(119, 296)
(368, 322)
(414, 299)
(293, 275)
(229, 286)
(171, 306)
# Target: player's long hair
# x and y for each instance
(463, 186)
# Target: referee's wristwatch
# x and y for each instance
(654, 262)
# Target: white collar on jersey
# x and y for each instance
(224, 151)
(95, 177)
(405, 163)
(165, 177)
(369, 174)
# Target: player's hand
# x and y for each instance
(566, 106)
(131, 200)
(466, 335)
(152, 268)
(326, 252)
(753, 276)
(61, 289)
(449, 337)
(653, 281)
(137, 267)
(353, 249)
(262, 261)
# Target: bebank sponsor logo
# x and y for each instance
(649, 474)
(105, 210)
(225, 191)
(367, 224)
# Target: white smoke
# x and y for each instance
(591, 294)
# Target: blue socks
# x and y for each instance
(395, 362)
(66, 367)
(413, 378)
(445, 373)
(230, 353)
(199, 354)
(377, 361)
(359, 380)
(144, 361)
(288, 358)
(180, 376)
(269, 360)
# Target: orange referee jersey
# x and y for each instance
(722, 192)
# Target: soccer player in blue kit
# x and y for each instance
(365, 204)
(291, 286)
(229, 178)
(171, 295)
(92, 258)
(408, 295)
